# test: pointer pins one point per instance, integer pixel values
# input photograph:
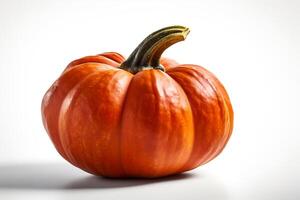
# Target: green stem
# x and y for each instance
(149, 51)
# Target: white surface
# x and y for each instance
(252, 46)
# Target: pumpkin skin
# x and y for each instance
(110, 122)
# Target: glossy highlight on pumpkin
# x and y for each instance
(144, 117)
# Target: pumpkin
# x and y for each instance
(146, 116)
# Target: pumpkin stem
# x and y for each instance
(149, 51)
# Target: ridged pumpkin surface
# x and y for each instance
(110, 122)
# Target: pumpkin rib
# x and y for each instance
(229, 113)
(99, 68)
(223, 106)
(221, 147)
(114, 56)
(151, 150)
(83, 65)
(93, 59)
(183, 70)
(54, 97)
(227, 101)
(179, 89)
(193, 119)
(91, 166)
(94, 162)
(63, 110)
(222, 113)
(193, 112)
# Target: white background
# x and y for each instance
(252, 46)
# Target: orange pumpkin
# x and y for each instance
(143, 117)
